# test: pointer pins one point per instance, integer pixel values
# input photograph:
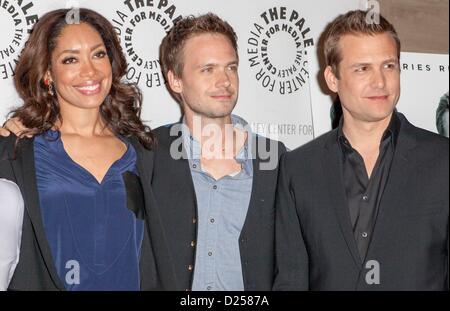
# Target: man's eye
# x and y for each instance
(362, 69)
(391, 66)
(233, 68)
(207, 70)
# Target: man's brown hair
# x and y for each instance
(171, 49)
(356, 23)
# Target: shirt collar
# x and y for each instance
(391, 132)
(243, 157)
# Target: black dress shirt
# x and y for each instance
(363, 193)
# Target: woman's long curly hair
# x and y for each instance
(120, 110)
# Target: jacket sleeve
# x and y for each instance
(291, 253)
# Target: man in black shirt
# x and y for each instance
(365, 206)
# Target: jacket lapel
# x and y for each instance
(402, 165)
(179, 217)
(24, 170)
(181, 168)
(332, 167)
(259, 190)
(256, 198)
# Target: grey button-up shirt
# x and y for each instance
(222, 208)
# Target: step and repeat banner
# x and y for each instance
(424, 97)
(281, 90)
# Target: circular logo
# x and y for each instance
(141, 26)
(16, 21)
(276, 50)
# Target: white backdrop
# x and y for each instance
(277, 50)
(424, 81)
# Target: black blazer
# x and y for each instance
(316, 249)
(36, 270)
(175, 195)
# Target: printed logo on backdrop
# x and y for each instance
(277, 50)
(16, 21)
(141, 25)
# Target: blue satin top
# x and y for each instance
(94, 238)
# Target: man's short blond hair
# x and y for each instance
(353, 22)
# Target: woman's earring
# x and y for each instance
(49, 87)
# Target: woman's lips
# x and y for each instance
(89, 89)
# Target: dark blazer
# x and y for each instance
(36, 270)
(316, 249)
(175, 195)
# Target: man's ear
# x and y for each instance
(331, 79)
(175, 83)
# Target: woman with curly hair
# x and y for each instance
(86, 219)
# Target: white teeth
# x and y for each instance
(89, 87)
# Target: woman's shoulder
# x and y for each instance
(7, 143)
(12, 146)
(7, 139)
(137, 145)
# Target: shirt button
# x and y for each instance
(215, 187)
(190, 267)
(193, 243)
(208, 287)
(194, 220)
(209, 254)
(364, 234)
(365, 198)
(212, 220)
(194, 165)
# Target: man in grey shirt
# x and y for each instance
(222, 206)
(214, 180)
